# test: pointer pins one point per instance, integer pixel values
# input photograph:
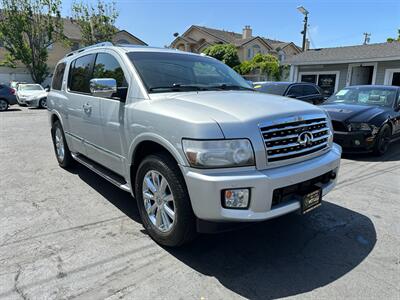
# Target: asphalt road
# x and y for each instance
(67, 235)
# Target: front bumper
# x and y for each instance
(354, 141)
(205, 188)
(32, 103)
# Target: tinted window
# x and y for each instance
(271, 88)
(161, 72)
(309, 78)
(309, 90)
(81, 73)
(107, 66)
(58, 77)
(296, 90)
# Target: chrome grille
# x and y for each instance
(295, 138)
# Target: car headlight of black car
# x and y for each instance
(359, 127)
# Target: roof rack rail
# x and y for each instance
(102, 44)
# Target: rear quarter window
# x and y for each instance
(58, 77)
(80, 73)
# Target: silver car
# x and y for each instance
(32, 95)
(189, 138)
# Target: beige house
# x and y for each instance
(197, 38)
(59, 50)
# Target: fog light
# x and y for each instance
(357, 143)
(236, 198)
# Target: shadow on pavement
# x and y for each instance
(12, 109)
(393, 154)
(282, 257)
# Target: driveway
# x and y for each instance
(71, 234)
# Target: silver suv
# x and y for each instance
(189, 138)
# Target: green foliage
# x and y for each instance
(27, 29)
(265, 64)
(391, 40)
(226, 53)
(96, 21)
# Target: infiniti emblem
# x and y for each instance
(305, 138)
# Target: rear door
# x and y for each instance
(83, 108)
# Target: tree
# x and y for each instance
(226, 53)
(96, 21)
(391, 40)
(265, 64)
(27, 29)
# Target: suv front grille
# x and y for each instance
(294, 139)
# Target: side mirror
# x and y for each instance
(103, 87)
(47, 89)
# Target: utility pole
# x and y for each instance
(305, 12)
(366, 37)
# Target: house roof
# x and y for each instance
(73, 32)
(236, 38)
(348, 54)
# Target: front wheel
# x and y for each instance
(3, 105)
(163, 201)
(382, 140)
(43, 103)
(61, 149)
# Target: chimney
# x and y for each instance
(247, 32)
(307, 45)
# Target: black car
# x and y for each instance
(365, 117)
(7, 97)
(308, 92)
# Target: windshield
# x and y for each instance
(365, 96)
(271, 88)
(30, 87)
(166, 72)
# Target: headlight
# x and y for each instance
(359, 127)
(218, 153)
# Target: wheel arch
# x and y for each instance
(145, 145)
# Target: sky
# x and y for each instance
(331, 23)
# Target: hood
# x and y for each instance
(232, 108)
(33, 93)
(352, 113)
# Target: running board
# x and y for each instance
(107, 174)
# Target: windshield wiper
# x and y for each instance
(231, 87)
(179, 87)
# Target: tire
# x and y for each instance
(61, 149)
(382, 140)
(183, 225)
(43, 103)
(3, 105)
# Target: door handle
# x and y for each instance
(87, 108)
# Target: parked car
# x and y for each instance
(7, 97)
(189, 138)
(365, 118)
(32, 95)
(308, 92)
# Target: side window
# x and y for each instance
(296, 90)
(107, 66)
(58, 77)
(80, 74)
(310, 90)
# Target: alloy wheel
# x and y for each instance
(159, 201)
(3, 105)
(59, 142)
(43, 103)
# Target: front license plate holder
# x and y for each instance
(310, 200)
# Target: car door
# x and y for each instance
(109, 65)
(84, 109)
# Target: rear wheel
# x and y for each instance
(43, 103)
(3, 105)
(163, 201)
(382, 140)
(61, 149)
